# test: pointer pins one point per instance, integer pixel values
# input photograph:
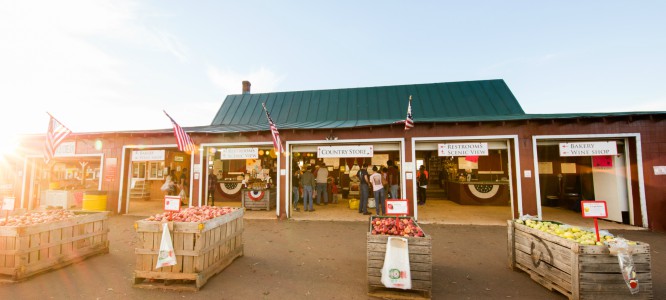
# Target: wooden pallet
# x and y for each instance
(577, 271)
(267, 202)
(420, 265)
(26, 251)
(202, 251)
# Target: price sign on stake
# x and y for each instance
(397, 207)
(171, 203)
(594, 209)
(8, 203)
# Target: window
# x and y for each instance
(156, 170)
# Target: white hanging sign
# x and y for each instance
(148, 155)
(345, 151)
(588, 148)
(239, 153)
(463, 149)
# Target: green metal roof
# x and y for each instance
(369, 106)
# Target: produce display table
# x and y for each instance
(202, 250)
(32, 249)
(575, 270)
(420, 265)
(259, 199)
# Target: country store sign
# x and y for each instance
(344, 151)
(463, 149)
(239, 153)
(588, 148)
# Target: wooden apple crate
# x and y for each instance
(420, 266)
(267, 202)
(29, 250)
(575, 270)
(202, 250)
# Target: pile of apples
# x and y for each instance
(38, 217)
(192, 214)
(396, 226)
(574, 233)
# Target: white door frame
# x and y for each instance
(238, 145)
(639, 166)
(516, 174)
(401, 150)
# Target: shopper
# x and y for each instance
(393, 179)
(378, 188)
(322, 177)
(308, 183)
(212, 182)
(422, 182)
(295, 185)
(364, 190)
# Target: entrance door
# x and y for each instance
(610, 185)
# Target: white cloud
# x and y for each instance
(230, 82)
(61, 57)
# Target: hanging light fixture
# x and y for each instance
(261, 152)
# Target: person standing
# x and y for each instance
(184, 184)
(308, 182)
(364, 180)
(378, 189)
(393, 179)
(295, 184)
(212, 182)
(422, 177)
(322, 177)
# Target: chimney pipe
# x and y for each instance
(246, 87)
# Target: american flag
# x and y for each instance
(409, 121)
(185, 143)
(54, 136)
(277, 143)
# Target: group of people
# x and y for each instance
(315, 183)
(177, 186)
(383, 180)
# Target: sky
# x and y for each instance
(100, 66)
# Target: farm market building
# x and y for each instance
(480, 148)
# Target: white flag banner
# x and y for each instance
(166, 256)
(396, 272)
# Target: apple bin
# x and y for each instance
(579, 271)
(420, 261)
(202, 250)
(37, 245)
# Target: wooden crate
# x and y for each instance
(202, 250)
(420, 265)
(267, 202)
(577, 271)
(29, 250)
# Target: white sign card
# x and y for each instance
(148, 155)
(463, 149)
(659, 170)
(8, 203)
(171, 203)
(345, 151)
(239, 153)
(594, 209)
(397, 207)
(588, 148)
(65, 149)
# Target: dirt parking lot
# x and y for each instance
(315, 260)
